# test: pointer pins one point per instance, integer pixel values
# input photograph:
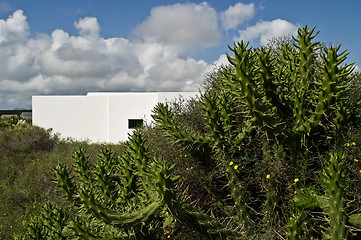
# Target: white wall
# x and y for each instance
(98, 117)
(128, 106)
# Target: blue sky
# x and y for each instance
(73, 47)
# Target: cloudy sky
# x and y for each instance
(73, 47)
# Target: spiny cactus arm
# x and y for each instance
(228, 119)
(65, 182)
(105, 185)
(268, 79)
(340, 106)
(129, 177)
(297, 225)
(166, 120)
(138, 148)
(34, 232)
(212, 114)
(108, 157)
(270, 213)
(138, 152)
(125, 220)
(36, 229)
(221, 119)
(163, 180)
(307, 198)
(334, 81)
(244, 62)
(186, 214)
(84, 233)
(335, 208)
(105, 172)
(305, 79)
(307, 54)
(286, 75)
(55, 220)
(207, 225)
(238, 196)
(275, 99)
(246, 132)
(332, 202)
(82, 167)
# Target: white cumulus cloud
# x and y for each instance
(88, 27)
(187, 24)
(156, 60)
(266, 30)
(14, 29)
(237, 14)
(61, 63)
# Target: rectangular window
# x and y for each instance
(135, 123)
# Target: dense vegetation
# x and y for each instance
(28, 156)
(269, 151)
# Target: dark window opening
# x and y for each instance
(135, 123)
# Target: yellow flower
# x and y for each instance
(296, 180)
(235, 167)
(185, 155)
(231, 163)
(360, 171)
(353, 143)
(268, 176)
(347, 144)
(356, 160)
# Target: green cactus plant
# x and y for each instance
(108, 196)
(292, 98)
(335, 208)
(299, 226)
(281, 110)
(331, 200)
(114, 204)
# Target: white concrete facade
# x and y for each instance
(98, 117)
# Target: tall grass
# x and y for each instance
(28, 156)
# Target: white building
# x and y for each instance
(99, 117)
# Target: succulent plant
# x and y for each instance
(290, 102)
(292, 98)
